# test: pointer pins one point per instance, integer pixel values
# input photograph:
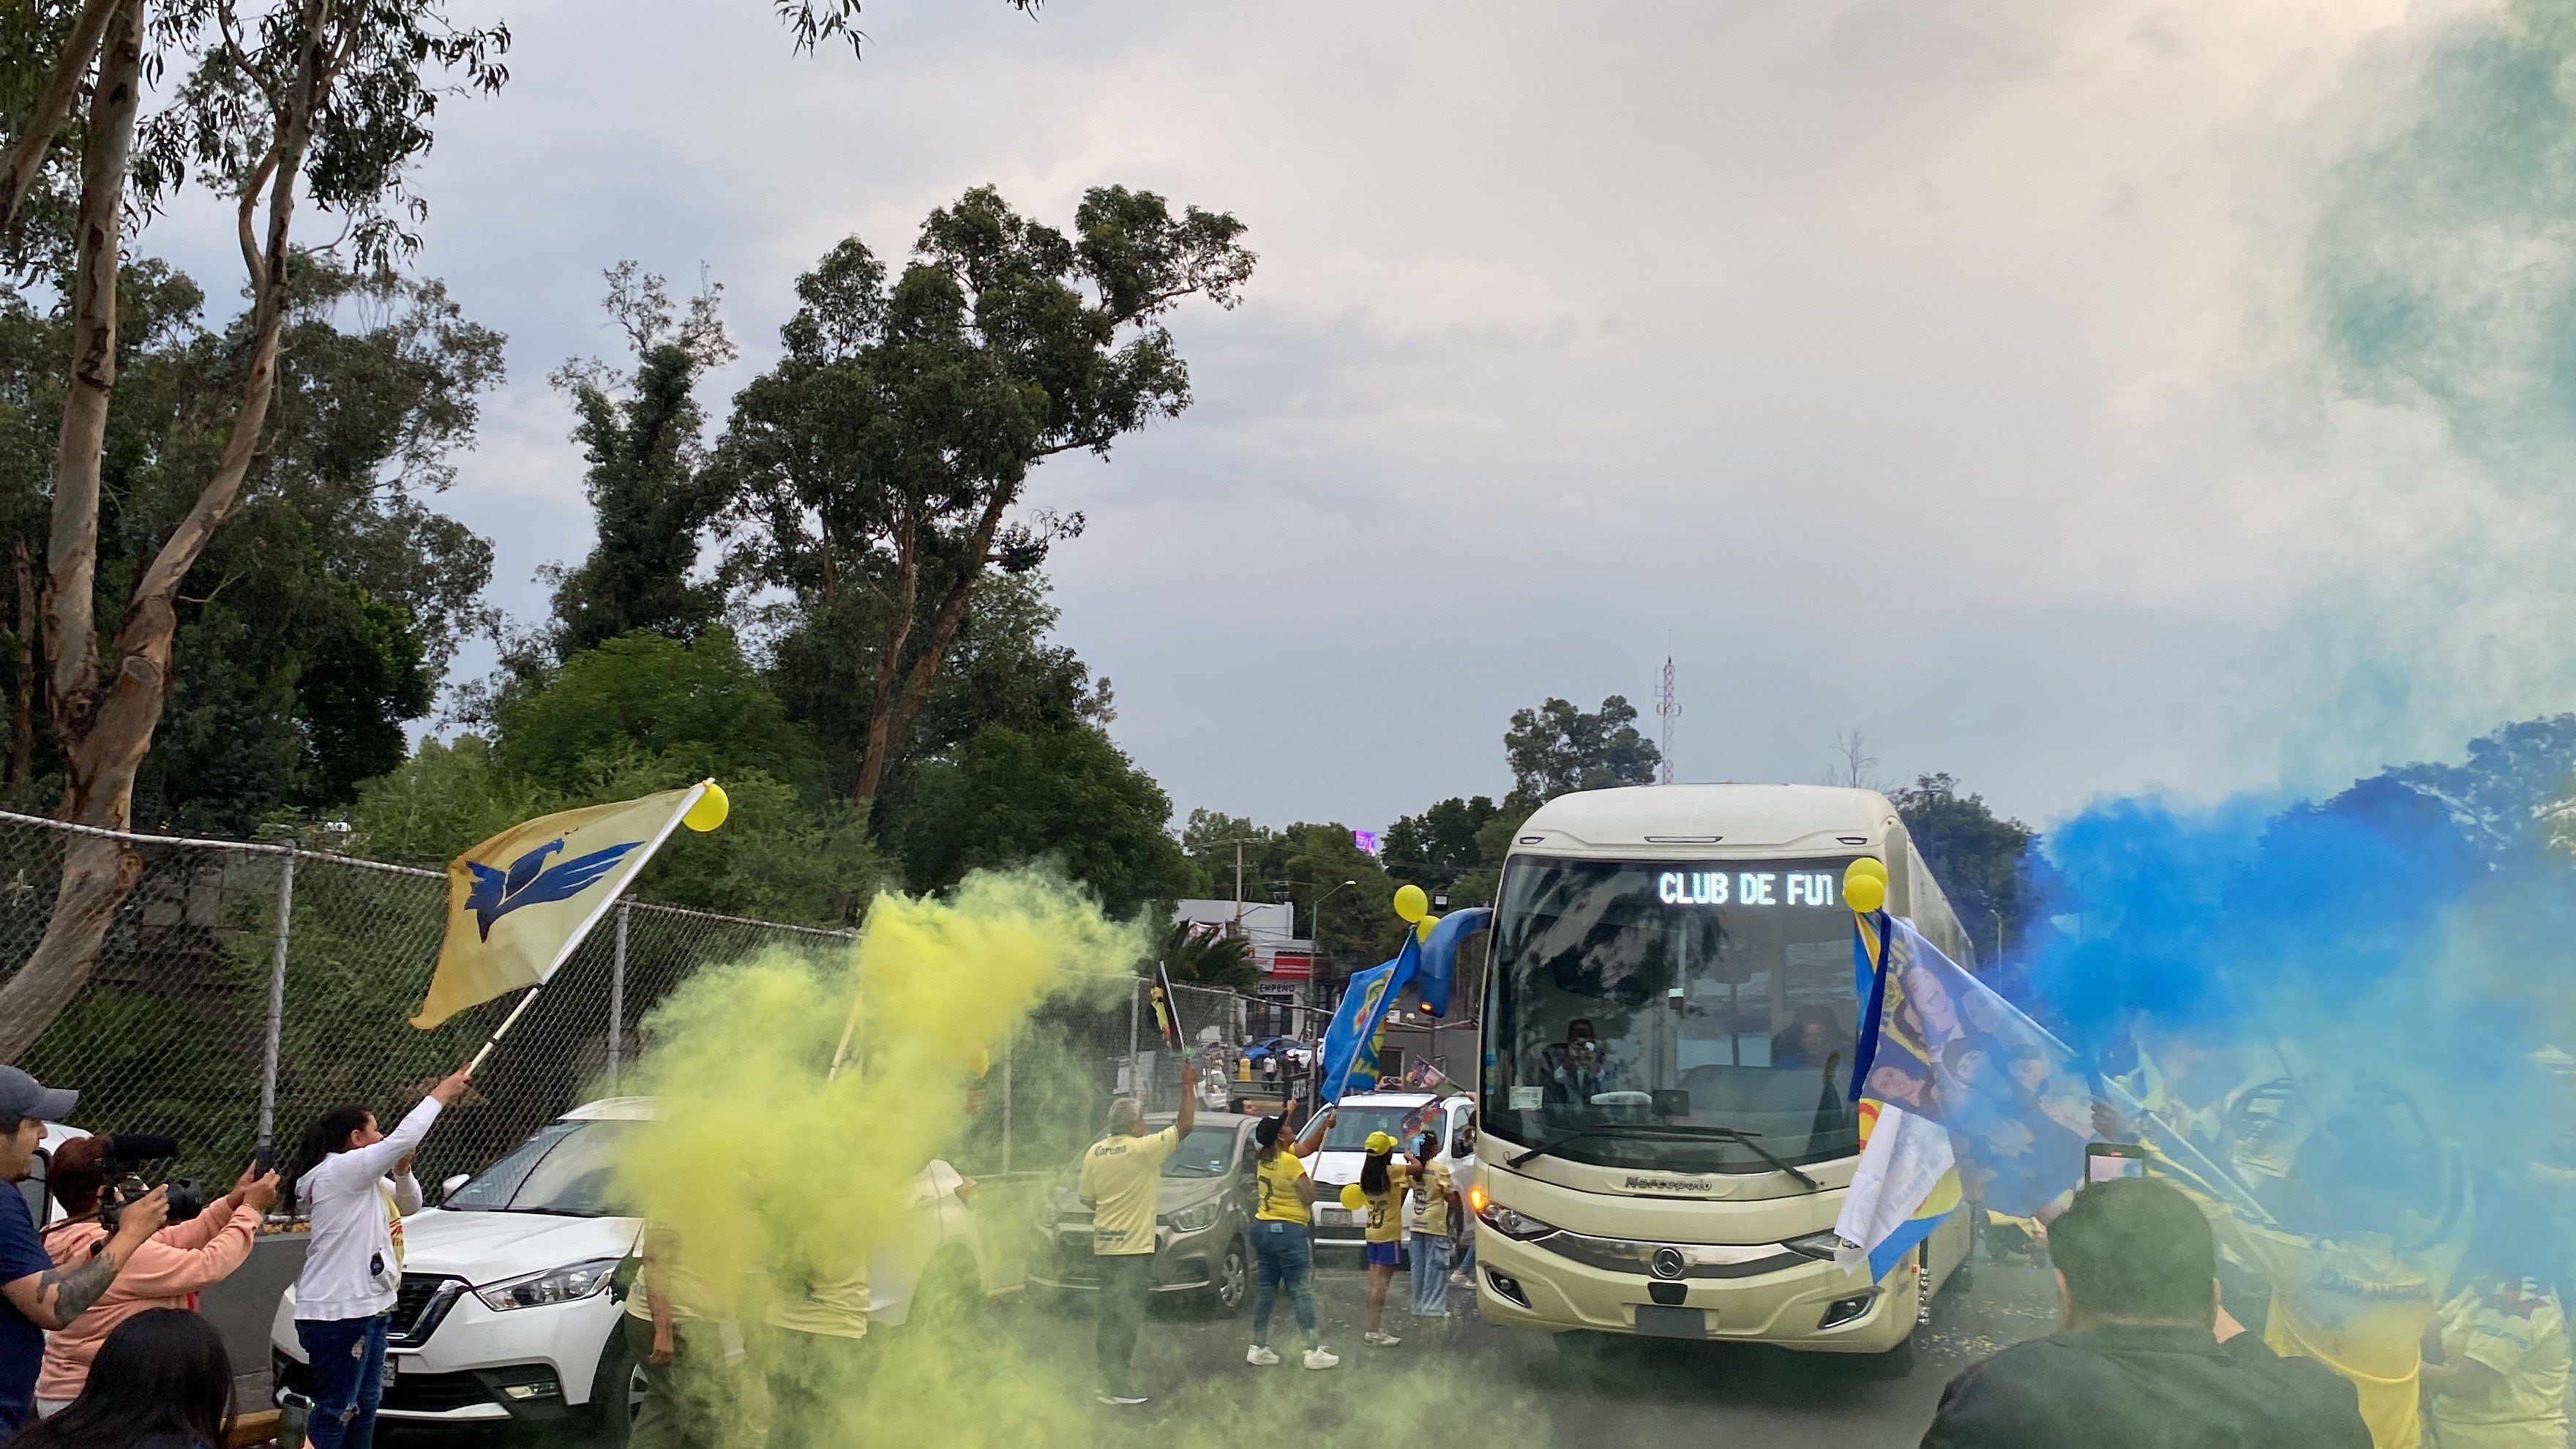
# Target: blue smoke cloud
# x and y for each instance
(2413, 931)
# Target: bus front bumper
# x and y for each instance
(1768, 1296)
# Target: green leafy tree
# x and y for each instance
(1433, 849)
(649, 489)
(1980, 858)
(1070, 796)
(1556, 749)
(1209, 958)
(701, 705)
(876, 464)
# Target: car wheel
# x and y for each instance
(1233, 1285)
(617, 1390)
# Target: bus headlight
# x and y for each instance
(1816, 1245)
(1511, 1224)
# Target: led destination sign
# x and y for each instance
(1746, 888)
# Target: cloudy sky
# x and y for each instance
(1913, 366)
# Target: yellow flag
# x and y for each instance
(520, 902)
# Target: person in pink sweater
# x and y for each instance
(167, 1271)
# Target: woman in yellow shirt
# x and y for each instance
(1383, 1182)
(1283, 1250)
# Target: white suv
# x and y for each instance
(1338, 1161)
(509, 1308)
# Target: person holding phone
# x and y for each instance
(2143, 1358)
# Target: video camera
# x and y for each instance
(127, 1151)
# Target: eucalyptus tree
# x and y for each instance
(882, 468)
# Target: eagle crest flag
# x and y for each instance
(518, 903)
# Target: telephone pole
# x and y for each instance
(1669, 706)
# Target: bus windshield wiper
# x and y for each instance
(1676, 1132)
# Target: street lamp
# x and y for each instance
(1319, 913)
(1999, 935)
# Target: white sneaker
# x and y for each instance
(1262, 1355)
(1382, 1340)
(1317, 1358)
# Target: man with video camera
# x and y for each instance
(93, 1180)
(35, 1293)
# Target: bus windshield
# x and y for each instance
(1646, 1003)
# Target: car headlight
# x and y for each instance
(554, 1285)
(1194, 1219)
(1816, 1245)
(1513, 1224)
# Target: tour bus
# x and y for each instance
(1666, 1132)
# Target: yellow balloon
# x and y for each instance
(1864, 893)
(710, 810)
(1422, 928)
(1352, 1197)
(1411, 903)
(1867, 865)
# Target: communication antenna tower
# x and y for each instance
(1669, 707)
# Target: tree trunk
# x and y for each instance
(26, 158)
(22, 688)
(890, 722)
(881, 700)
(105, 724)
(97, 872)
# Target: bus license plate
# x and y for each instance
(1657, 1321)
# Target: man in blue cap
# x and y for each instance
(34, 1294)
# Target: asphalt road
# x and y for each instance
(1640, 1392)
(1633, 1393)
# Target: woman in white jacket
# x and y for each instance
(344, 1298)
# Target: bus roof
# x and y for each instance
(1691, 818)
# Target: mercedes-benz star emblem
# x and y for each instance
(1667, 1263)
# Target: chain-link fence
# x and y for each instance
(245, 988)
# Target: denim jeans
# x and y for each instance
(1430, 1275)
(1285, 1256)
(348, 1363)
(1126, 1286)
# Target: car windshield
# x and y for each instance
(1672, 995)
(1206, 1152)
(1352, 1126)
(567, 1168)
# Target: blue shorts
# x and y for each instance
(1385, 1255)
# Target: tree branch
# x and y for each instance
(53, 107)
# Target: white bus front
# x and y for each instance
(1666, 1131)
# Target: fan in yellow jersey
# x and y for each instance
(1282, 1246)
(1122, 1176)
(2502, 1381)
(1384, 1180)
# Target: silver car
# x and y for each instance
(1202, 1218)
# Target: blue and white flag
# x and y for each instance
(1350, 1045)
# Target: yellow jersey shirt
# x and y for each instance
(1121, 1178)
(1385, 1210)
(1436, 1194)
(1275, 1184)
(829, 1298)
(2515, 1327)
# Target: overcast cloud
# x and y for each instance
(1914, 365)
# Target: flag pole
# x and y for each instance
(581, 932)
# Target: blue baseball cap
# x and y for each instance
(23, 1096)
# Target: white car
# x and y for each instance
(509, 1308)
(39, 1202)
(1338, 1161)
